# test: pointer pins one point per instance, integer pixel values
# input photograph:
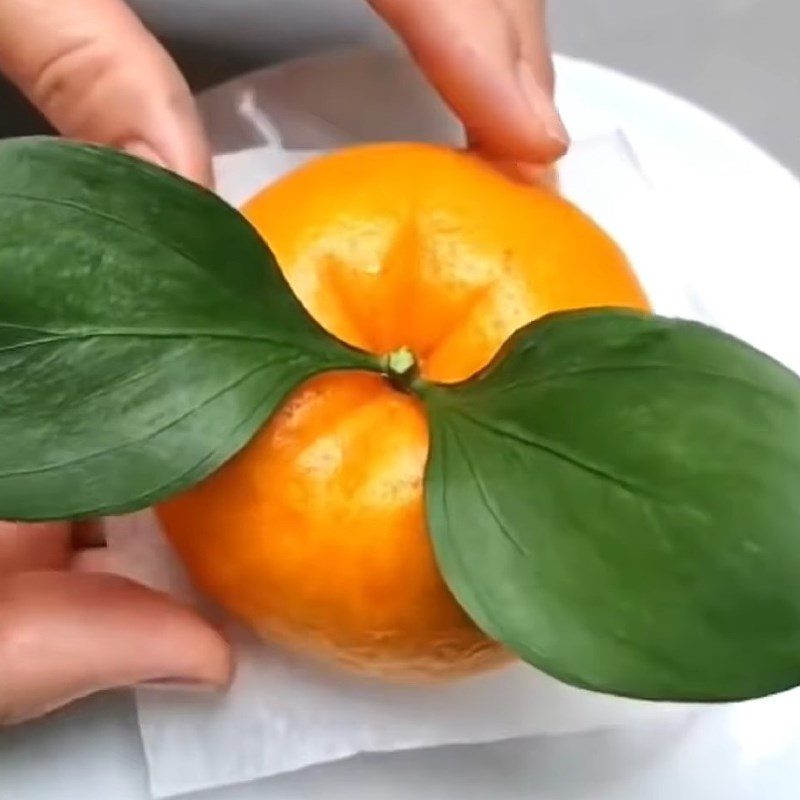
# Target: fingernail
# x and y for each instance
(546, 177)
(143, 150)
(541, 104)
(177, 684)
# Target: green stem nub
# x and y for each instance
(401, 368)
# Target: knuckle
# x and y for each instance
(71, 72)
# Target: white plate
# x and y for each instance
(733, 206)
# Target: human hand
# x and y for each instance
(97, 75)
(68, 630)
(491, 61)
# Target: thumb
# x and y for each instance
(490, 61)
(98, 75)
(66, 635)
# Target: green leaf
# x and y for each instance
(617, 498)
(146, 332)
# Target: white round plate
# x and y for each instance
(737, 212)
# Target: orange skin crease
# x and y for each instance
(315, 534)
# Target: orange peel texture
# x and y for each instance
(315, 533)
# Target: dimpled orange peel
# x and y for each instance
(315, 533)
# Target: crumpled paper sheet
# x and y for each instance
(282, 714)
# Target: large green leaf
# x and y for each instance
(145, 332)
(618, 500)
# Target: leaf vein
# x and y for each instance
(172, 423)
(547, 447)
(76, 206)
(543, 379)
(486, 498)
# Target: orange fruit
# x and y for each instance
(315, 533)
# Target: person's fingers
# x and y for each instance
(98, 75)
(490, 61)
(528, 18)
(34, 547)
(66, 635)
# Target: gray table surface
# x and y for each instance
(737, 58)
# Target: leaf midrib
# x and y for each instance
(139, 333)
(630, 486)
(175, 421)
(601, 369)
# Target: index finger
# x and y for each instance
(489, 61)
